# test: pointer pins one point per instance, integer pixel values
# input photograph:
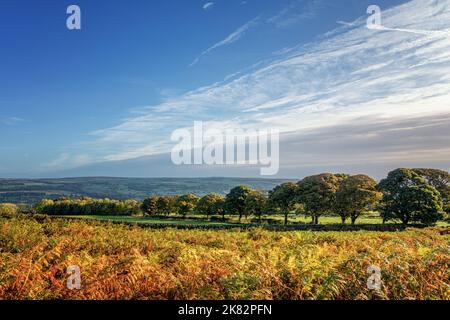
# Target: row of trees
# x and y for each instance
(87, 206)
(406, 195)
(241, 201)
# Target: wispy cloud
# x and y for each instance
(351, 76)
(233, 37)
(295, 12)
(67, 160)
(347, 24)
(208, 5)
(437, 33)
(11, 121)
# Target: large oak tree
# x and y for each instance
(409, 198)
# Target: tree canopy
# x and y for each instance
(409, 198)
(236, 199)
(87, 206)
(211, 204)
(256, 203)
(187, 203)
(283, 198)
(355, 196)
(149, 206)
(318, 193)
(439, 179)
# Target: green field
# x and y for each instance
(230, 221)
(148, 220)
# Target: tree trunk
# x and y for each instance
(316, 220)
(343, 220)
(285, 219)
(354, 220)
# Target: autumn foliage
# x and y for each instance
(123, 262)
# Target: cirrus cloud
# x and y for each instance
(350, 76)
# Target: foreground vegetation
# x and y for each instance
(122, 262)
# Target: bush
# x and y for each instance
(8, 210)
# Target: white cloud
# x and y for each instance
(208, 5)
(233, 37)
(350, 76)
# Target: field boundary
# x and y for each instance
(293, 227)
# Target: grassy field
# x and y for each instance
(201, 220)
(150, 220)
(123, 262)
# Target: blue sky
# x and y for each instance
(138, 70)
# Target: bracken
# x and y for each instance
(123, 262)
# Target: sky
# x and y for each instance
(104, 100)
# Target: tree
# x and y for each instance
(149, 206)
(256, 203)
(129, 207)
(439, 179)
(409, 198)
(164, 205)
(356, 195)
(284, 198)
(8, 210)
(187, 204)
(211, 204)
(44, 206)
(317, 193)
(235, 200)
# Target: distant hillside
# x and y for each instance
(29, 191)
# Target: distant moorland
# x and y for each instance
(29, 191)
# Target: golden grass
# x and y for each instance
(121, 262)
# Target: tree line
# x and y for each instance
(406, 195)
(87, 206)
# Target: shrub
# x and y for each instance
(8, 210)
